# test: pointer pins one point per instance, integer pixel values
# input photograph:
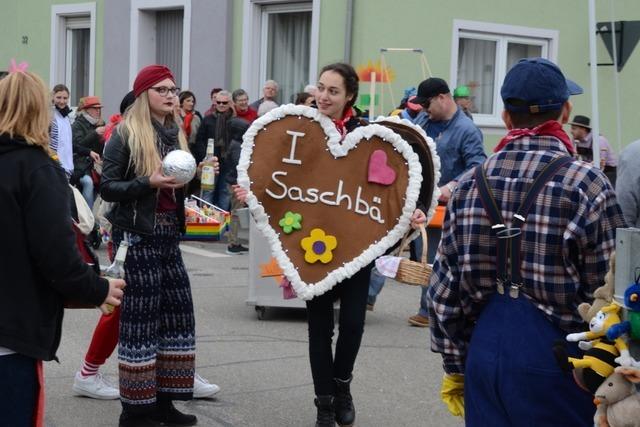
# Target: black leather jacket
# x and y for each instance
(136, 201)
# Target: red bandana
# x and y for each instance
(550, 128)
(186, 125)
(341, 123)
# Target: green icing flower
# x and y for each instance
(291, 221)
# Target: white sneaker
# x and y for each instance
(203, 388)
(95, 386)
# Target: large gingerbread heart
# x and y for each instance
(327, 207)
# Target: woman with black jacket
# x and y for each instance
(156, 350)
(39, 262)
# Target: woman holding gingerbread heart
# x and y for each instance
(332, 373)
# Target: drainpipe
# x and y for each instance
(595, 120)
(348, 32)
(616, 80)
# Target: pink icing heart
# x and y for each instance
(379, 171)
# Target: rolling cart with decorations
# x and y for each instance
(266, 277)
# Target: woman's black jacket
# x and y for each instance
(135, 200)
(40, 265)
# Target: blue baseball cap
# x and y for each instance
(536, 85)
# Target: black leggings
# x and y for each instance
(353, 302)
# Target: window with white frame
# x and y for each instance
(169, 40)
(482, 55)
(280, 42)
(160, 34)
(78, 34)
(73, 48)
(286, 38)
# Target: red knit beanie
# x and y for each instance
(150, 75)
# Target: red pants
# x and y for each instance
(105, 338)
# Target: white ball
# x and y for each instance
(179, 164)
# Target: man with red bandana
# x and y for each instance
(495, 313)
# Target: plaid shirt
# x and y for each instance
(566, 242)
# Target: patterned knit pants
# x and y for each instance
(156, 350)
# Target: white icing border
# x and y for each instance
(338, 148)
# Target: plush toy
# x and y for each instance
(598, 361)
(631, 327)
(631, 374)
(618, 403)
(602, 296)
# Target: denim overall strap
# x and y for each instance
(497, 223)
(508, 240)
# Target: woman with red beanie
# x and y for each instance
(156, 350)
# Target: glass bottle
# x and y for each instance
(208, 177)
(116, 269)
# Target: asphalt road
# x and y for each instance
(262, 365)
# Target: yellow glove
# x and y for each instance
(452, 393)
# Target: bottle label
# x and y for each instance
(207, 180)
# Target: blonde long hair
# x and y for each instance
(141, 137)
(24, 108)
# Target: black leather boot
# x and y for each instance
(135, 420)
(168, 415)
(343, 403)
(326, 415)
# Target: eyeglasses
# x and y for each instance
(427, 103)
(222, 102)
(164, 91)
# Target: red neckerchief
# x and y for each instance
(550, 128)
(110, 127)
(341, 123)
(188, 117)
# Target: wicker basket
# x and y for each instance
(413, 272)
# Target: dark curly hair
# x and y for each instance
(349, 76)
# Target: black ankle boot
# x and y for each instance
(135, 420)
(343, 403)
(326, 415)
(168, 415)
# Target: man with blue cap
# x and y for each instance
(527, 237)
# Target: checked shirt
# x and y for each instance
(566, 242)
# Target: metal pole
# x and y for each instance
(595, 122)
(372, 99)
(348, 32)
(627, 261)
(616, 81)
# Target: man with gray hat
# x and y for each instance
(583, 140)
(460, 148)
(526, 238)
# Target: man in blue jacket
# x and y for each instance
(460, 148)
